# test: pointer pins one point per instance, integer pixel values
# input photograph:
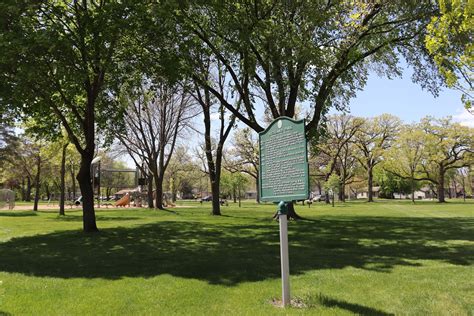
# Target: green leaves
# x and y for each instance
(449, 41)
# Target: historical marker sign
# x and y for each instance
(283, 161)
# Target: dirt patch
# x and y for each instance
(30, 207)
(67, 207)
(295, 303)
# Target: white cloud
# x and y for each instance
(464, 118)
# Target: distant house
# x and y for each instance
(419, 195)
(365, 194)
(429, 194)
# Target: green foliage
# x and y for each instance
(183, 173)
(332, 184)
(390, 184)
(450, 41)
(233, 183)
(8, 142)
(407, 152)
(61, 63)
(312, 52)
(448, 145)
(374, 137)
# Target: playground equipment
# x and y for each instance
(124, 201)
(105, 175)
(7, 199)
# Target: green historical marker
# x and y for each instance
(283, 177)
(283, 173)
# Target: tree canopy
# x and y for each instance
(280, 53)
(450, 41)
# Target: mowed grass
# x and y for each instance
(356, 258)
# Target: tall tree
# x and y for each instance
(348, 167)
(21, 163)
(177, 173)
(213, 148)
(332, 185)
(448, 146)
(157, 114)
(373, 138)
(404, 158)
(284, 52)
(333, 143)
(77, 49)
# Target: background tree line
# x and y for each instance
(79, 68)
(395, 156)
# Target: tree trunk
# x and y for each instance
(159, 191)
(63, 182)
(370, 183)
(84, 179)
(342, 192)
(258, 189)
(463, 188)
(234, 194)
(37, 182)
(455, 187)
(215, 177)
(23, 191)
(292, 213)
(28, 189)
(73, 183)
(48, 192)
(239, 197)
(215, 188)
(150, 191)
(327, 198)
(412, 189)
(441, 198)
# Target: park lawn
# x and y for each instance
(388, 257)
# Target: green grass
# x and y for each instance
(356, 258)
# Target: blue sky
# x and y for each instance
(405, 99)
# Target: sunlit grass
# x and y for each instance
(389, 257)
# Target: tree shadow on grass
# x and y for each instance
(228, 254)
(17, 214)
(351, 307)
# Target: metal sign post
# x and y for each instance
(284, 177)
